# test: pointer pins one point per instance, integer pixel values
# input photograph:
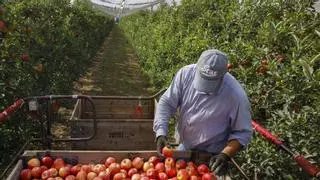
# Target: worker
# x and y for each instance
(214, 111)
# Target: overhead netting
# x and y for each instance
(125, 7)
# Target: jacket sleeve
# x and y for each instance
(167, 106)
(241, 128)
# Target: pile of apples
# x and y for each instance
(152, 168)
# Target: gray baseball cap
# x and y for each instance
(211, 67)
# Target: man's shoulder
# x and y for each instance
(234, 87)
(187, 69)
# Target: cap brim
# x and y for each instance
(206, 85)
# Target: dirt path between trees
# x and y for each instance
(115, 70)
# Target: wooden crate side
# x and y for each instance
(120, 134)
(111, 108)
(118, 115)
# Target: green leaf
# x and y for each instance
(317, 32)
(307, 69)
(315, 58)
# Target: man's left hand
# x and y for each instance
(219, 164)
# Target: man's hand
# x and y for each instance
(219, 164)
(161, 142)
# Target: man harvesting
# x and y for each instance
(214, 110)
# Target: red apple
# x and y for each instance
(47, 161)
(126, 164)
(25, 174)
(208, 176)
(154, 160)
(25, 57)
(190, 163)
(192, 170)
(97, 178)
(182, 174)
(75, 169)
(46, 174)
(136, 177)
(43, 168)
(53, 172)
(91, 175)
(86, 168)
(167, 152)
(144, 178)
(124, 172)
(109, 161)
(99, 168)
(194, 178)
(70, 177)
(147, 165)
(64, 171)
(151, 173)
(132, 171)
(36, 172)
(137, 163)
(159, 167)
(169, 161)
(114, 168)
(58, 163)
(119, 176)
(181, 164)
(202, 169)
(104, 175)
(170, 171)
(162, 176)
(81, 175)
(33, 162)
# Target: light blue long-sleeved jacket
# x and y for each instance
(206, 122)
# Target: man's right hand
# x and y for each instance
(161, 142)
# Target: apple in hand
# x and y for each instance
(167, 152)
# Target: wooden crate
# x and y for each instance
(119, 125)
